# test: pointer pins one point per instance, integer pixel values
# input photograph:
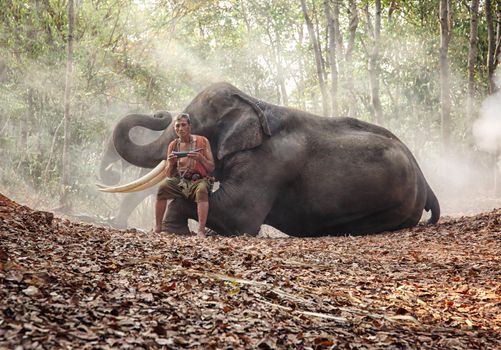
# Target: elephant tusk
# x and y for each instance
(152, 178)
(148, 184)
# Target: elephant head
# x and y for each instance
(231, 120)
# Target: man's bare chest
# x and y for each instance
(184, 162)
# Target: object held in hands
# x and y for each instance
(182, 154)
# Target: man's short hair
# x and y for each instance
(183, 116)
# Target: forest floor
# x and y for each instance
(65, 284)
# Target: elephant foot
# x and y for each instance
(176, 218)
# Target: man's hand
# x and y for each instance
(171, 159)
(196, 155)
(171, 164)
(207, 163)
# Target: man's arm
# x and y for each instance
(171, 167)
(208, 159)
(204, 156)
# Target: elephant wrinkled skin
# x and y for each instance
(300, 173)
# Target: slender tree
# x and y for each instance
(332, 58)
(375, 31)
(493, 41)
(280, 70)
(276, 52)
(472, 56)
(65, 201)
(348, 76)
(340, 51)
(491, 45)
(493, 62)
(337, 30)
(318, 58)
(301, 74)
(445, 98)
(497, 51)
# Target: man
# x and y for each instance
(189, 163)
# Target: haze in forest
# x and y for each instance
(487, 128)
(145, 57)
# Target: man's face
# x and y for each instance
(182, 127)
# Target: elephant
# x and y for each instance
(110, 176)
(301, 173)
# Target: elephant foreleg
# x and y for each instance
(127, 206)
(240, 207)
(233, 210)
(223, 222)
(176, 217)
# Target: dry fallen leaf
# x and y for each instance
(31, 290)
(71, 285)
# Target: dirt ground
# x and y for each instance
(65, 284)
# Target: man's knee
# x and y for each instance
(168, 189)
(202, 196)
(202, 192)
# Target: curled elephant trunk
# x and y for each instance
(135, 153)
(143, 183)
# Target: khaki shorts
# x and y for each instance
(175, 187)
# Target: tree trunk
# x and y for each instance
(472, 57)
(352, 111)
(497, 158)
(65, 200)
(280, 70)
(374, 64)
(274, 67)
(393, 7)
(45, 173)
(301, 84)
(337, 30)
(318, 59)
(25, 127)
(245, 16)
(497, 51)
(340, 52)
(445, 35)
(316, 27)
(491, 45)
(333, 58)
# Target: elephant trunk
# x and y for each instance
(145, 156)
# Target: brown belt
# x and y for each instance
(191, 176)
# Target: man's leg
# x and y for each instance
(203, 212)
(168, 189)
(200, 191)
(160, 206)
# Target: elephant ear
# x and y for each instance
(239, 129)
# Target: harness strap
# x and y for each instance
(193, 143)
